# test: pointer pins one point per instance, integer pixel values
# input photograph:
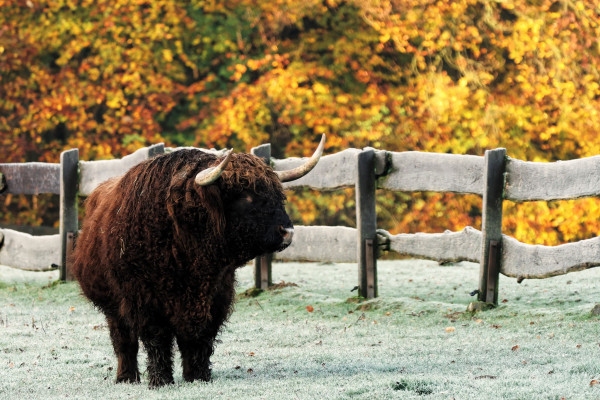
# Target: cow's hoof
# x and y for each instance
(202, 375)
(159, 381)
(128, 378)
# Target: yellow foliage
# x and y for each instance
(446, 76)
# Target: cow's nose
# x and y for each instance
(286, 233)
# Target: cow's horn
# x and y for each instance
(299, 172)
(211, 174)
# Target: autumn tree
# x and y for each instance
(440, 76)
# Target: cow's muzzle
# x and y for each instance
(286, 234)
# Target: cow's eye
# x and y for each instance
(242, 203)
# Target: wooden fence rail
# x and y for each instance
(494, 176)
(21, 250)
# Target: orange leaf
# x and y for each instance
(310, 308)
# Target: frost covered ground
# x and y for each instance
(310, 342)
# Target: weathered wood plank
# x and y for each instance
(333, 171)
(321, 243)
(416, 171)
(520, 260)
(156, 150)
(30, 253)
(71, 239)
(491, 223)
(262, 264)
(31, 178)
(94, 173)
(366, 223)
(447, 247)
(561, 180)
(69, 178)
(2, 183)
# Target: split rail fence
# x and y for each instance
(494, 176)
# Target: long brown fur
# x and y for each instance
(157, 255)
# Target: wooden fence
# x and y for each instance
(67, 179)
(495, 177)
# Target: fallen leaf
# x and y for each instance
(486, 377)
(505, 300)
(450, 329)
(594, 382)
(515, 347)
(251, 354)
(578, 346)
(71, 309)
(250, 370)
(478, 321)
(310, 308)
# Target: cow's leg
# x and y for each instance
(126, 346)
(196, 352)
(195, 358)
(158, 342)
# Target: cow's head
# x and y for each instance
(253, 200)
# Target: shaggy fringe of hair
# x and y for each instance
(154, 252)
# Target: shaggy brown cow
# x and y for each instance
(159, 247)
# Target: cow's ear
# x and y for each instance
(180, 178)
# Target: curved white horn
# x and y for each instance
(211, 174)
(299, 172)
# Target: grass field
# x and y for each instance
(310, 342)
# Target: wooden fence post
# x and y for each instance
(2, 183)
(69, 182)
(366, 222)
(263, 263)
(156, 149)
(491, 225)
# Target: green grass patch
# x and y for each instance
(307, 340)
